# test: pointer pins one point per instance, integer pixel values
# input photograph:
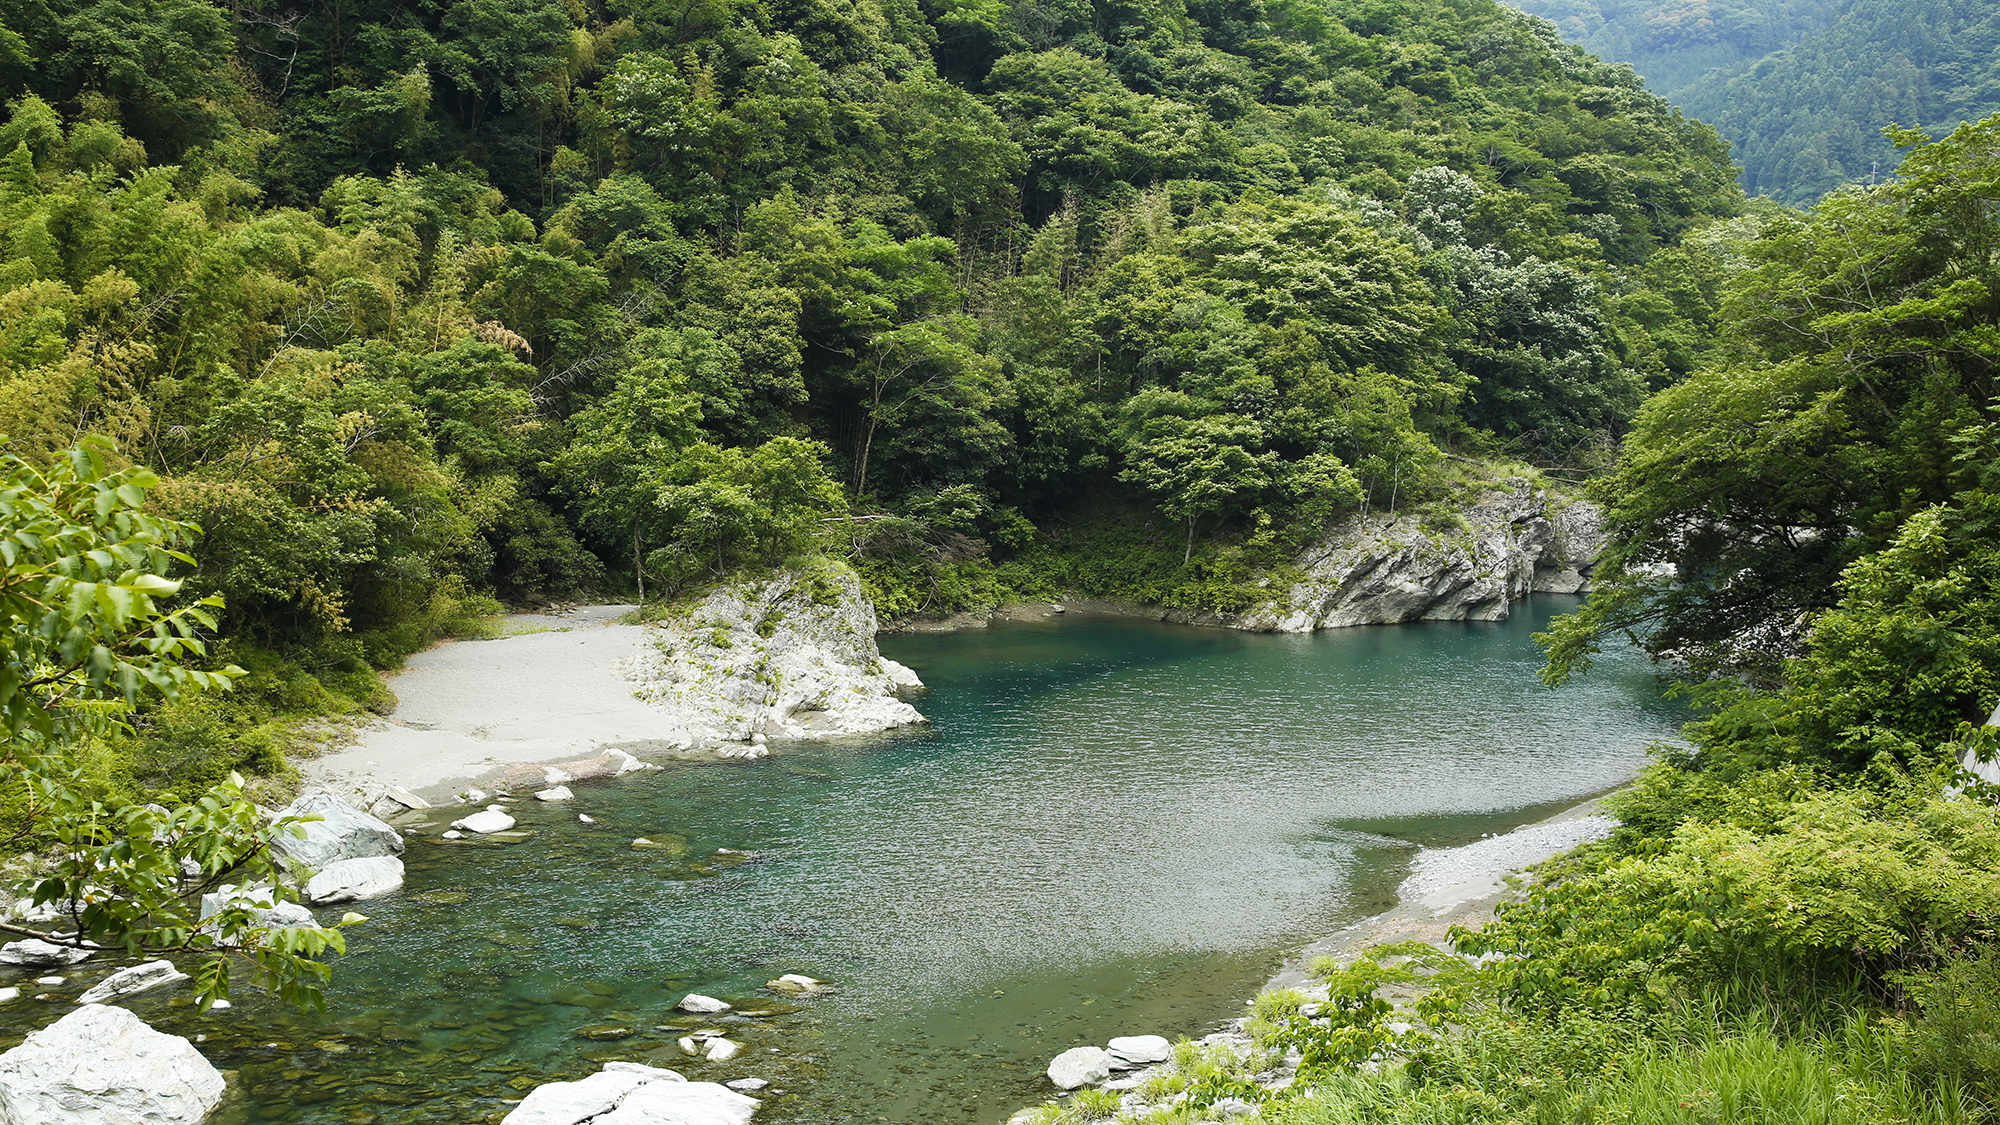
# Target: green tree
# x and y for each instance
(88, 638)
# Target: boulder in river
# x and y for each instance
(1130, 1052)
(559, 793)
(1080, 1066)
(342, 832)
(351, 879)
(132, 981)
(264, 905)
(485, 822)
(632, 1094)
(797, 984)
(721, 1050)
(101, 1065)
(697, 1004)
(34, 953)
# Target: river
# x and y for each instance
(1112, 826)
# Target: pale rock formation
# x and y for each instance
(1383, 569)
(351, 879)
(1128, 1052)
(342, 832)
(696, 1003)
(34, 953)
(633, 1094)
(1080, 1066)
(263, 904)
(102, 1065)
(791, 657)
(132, 981)
(559, 793)
(488, 821)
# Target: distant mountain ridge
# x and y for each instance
(1801, 90)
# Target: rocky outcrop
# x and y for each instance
(34, 953)
(266, 907)
(790, 657)
(102, 1065)
(1515, 541)
(342, 832)
(633, 1094)
(1080, 1066)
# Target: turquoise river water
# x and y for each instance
(1111, 826)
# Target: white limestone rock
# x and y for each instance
(797, 984)
(559, 793)
(263, 904)
(697, 1004)
(485, 823)
(622, 762)
(352, 879)
(748, 1085)
(633, 1094)
(1080, 1066)
(791, 657)
(132, 981)
(1129, 1052)
(342, 832)
(101, 1065)
(9, 993)
(721, 1050)
(34, 953)
(1387, 568)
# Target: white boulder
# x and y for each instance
(748, 1085)
(102, 1065)
(342, 832)
(1080, 1066)
(485, 822)
(130, 982)
(697, 1004)
(559, 793)
(722, 1050)
(266, 909)
(1129, 1052)
(352, 879)
(34, 953)
(632, 1094)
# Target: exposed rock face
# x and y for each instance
(352, 879)
(792, 657)
(632, 1094)
(1383, 569)
(1129, 1052)
(102, 1065)
(342, 832)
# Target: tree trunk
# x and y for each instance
(638, 565)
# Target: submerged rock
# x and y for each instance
(791, 657)
(797, 984)
(1080, 1066)
(132, 981)
(352, 879)
(102, 1065)
(559, 793)
(342, 832)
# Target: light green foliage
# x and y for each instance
(88, 639)
(1094, 1104)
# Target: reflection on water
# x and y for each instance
(1111, 827)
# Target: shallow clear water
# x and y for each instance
(1112, 826)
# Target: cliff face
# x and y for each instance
(792, 656)
(1515, 541)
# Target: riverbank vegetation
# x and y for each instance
(1797, 919)
(417, 312)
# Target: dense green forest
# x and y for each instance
(1802, 90)
(413, 307)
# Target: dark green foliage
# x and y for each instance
(1802, 88)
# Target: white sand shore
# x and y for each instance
(552, 689)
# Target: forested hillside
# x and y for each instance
(414, 305)
(1802, 90)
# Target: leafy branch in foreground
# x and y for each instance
(86, 639)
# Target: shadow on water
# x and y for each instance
(1112, 826)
